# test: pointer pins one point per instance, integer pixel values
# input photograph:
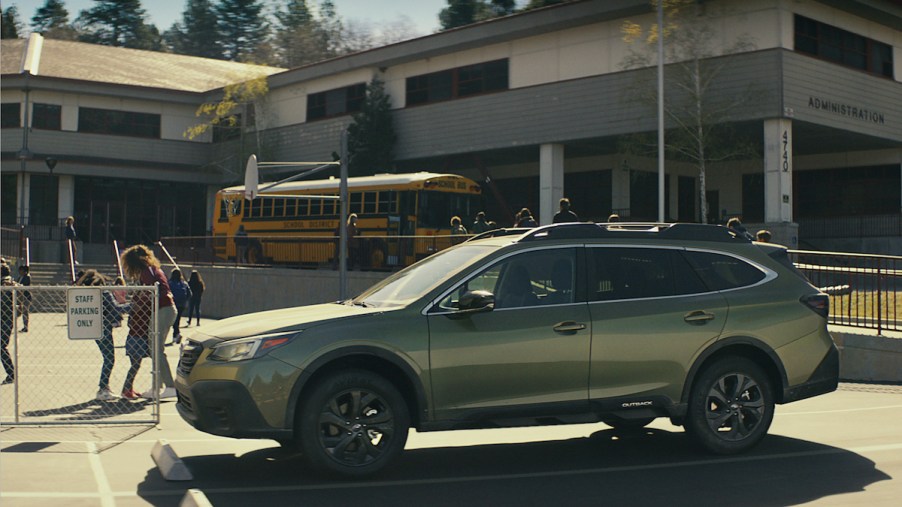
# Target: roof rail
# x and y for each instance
(681, 231)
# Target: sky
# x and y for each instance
(422, 13)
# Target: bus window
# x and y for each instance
(369, 202)
(224, 209)
(356, 203)
(248, 208)
(388, 201)
(329, 206)
(303, 207)
(266, 210)
(278, 208)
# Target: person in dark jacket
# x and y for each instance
(564, 215)
(112, 317)
(524, 219)
(6, 324)
(197, 286)
(25, 299)
(181, 293)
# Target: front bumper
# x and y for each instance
(225, 408)
(824, 380)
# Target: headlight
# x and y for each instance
(249, 348)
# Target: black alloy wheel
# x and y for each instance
(731, 406)
(353, 424)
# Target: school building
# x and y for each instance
(535, 106)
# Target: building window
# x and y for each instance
(10, 115)
(46, 116)
(337, 102)
(458, 83)
(43, 197)
(118, 123)
(843, 47)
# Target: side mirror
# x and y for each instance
(474, 301)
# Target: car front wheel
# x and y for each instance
(353, 423)
(731, 406)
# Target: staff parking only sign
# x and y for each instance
(84, 308)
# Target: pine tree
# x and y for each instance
(241, 28)
(53, 15)
(10, 23)
(372, 137)
(197, 33)
(118, 23)
(461, 13)
(296, 35)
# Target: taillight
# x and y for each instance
(819, 304)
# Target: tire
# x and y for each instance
(621, 424)
(731, 406)
(353, 423)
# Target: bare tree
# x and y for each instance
(699, 128)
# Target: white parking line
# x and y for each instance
(781, 414)
(104, 491)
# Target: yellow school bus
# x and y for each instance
(391, 209)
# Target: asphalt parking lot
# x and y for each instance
(839, 449)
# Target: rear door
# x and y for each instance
(651, 317)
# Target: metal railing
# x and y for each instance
(384, 253)
(11, 239)
(864, 289)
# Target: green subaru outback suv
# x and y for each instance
(568, 323)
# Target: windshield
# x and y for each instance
(412, 283)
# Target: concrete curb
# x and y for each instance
(195, 498)
(171, 466)
(868, 358)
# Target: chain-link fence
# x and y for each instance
(67, 360)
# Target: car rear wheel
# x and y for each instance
(731, 406)
(353, 423)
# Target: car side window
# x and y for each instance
(721, 272)
(540, 277)
(633, 273)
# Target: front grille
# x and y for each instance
(190, 352)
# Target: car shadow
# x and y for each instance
(646, 467)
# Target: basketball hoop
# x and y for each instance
(251, 178)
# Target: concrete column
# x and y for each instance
(620, 190)
(551, 181)
(65, 203)
(22, 200)
(778, 182)
(778, 170)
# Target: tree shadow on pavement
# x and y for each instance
(645, 467)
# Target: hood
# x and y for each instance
(287, 319)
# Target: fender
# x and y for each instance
(732, 342)
(408, 370)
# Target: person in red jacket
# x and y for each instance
(140, 264)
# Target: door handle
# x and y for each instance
(698, 317)
(569, 327)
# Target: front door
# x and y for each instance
(532, 349)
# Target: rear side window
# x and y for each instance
(633, 273)
(721, 272)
